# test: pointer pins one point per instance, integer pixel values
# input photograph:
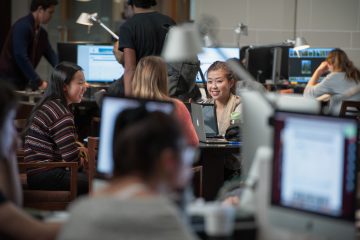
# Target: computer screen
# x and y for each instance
(304, 63)
(210, 55)
(260, 62)
(111, 108)
(210, 121)
(67, 51)
(99, 63)
(314, 171)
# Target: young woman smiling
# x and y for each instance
(50, 134)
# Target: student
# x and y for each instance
(343, 82)
(14, 223)
(141, 35)
(25, 44)
(150, 81)
(149, 166)
(51, 136)
(221, 87)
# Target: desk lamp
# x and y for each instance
(88, 20)
(240, 29)
(299, 43)
(183, 42)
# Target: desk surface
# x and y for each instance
(220, 146)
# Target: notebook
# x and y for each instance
(205, 123)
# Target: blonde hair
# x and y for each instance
(150, 79)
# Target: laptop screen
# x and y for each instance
(314, 165)
(111, 108)
(210, 122)
(99, 63)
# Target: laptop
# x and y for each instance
(205, 123)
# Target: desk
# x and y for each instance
(212, 159)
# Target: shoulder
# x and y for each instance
(55, 109)
(236, 99)
(334, 76)
(24, 24)
(179, 105)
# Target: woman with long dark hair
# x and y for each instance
(343, 82)
(50, 135)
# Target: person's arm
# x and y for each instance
(130, 65)
(323, 67)
(63, 134)
(18, 225)
(21, 39)
(315, 89)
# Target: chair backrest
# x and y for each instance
(93, 147)
(350, 108)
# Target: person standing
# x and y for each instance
(25, 44)
(142, 35)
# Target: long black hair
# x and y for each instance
(61, 76)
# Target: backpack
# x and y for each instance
(181, 80)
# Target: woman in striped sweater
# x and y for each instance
(50, 135)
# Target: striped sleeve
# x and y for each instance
(63, 134)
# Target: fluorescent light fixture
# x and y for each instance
(88, 20)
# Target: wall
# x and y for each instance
(324, 23)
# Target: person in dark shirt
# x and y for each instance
(25, 44)
(142, 35)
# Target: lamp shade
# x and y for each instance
(84, 19)
(300, 44)
(183, 42)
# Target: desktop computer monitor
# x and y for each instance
(313, 187)
(304, 63)
(99, 63)
(210, 55)
(267, 62)
(111, 107)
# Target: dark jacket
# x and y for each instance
(22, 51)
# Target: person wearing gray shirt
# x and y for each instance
(343, 82)
(150, 165)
